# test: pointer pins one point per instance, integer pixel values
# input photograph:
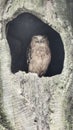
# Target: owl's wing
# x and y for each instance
(28, 55)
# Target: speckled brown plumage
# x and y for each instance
(39, 55)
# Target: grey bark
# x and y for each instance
(26, 101)
(70, 10)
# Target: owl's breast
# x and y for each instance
(40, 59)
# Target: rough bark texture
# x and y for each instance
(28, 102)
(70, 10)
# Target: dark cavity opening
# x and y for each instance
(19, 32)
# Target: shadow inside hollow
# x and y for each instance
(19, 32)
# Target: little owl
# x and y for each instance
(39, 55)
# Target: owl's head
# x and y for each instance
(40, 39)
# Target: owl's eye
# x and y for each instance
(43, 41)
(36, 41)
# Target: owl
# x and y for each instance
(39, 55)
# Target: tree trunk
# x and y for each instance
(28, 102)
